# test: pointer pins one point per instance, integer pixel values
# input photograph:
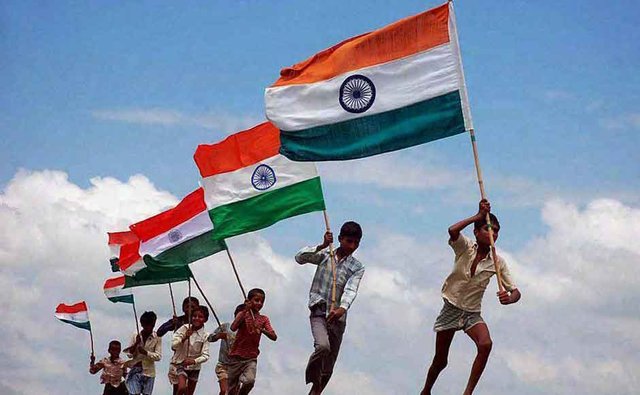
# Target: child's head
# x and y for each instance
(256, 296)
(148, 321)
(190, 303)
(199, 316)
(350, 236)
(114, 349)
(481, 229)
(238, 309)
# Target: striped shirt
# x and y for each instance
(349, 272)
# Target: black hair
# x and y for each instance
(114, 343)
(238, 309)
(477, 225)
(205, 312)
(351, 229)
(190, 299)
(255, 292)
(148, 317)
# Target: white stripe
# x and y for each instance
(115, 250)
(118, 291)
(79, 317)
(193, 227)
(398, 83)
(134, 268)
(235, 186)
(453, 34)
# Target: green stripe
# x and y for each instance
(419, 123)
(185, 253)
(122, 299)
(267, 208)
(152, 277)
(82, 325)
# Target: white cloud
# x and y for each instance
(167, 117)
(573, 331)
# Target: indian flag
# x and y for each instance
(114, 290)
(249, 185)
(116, 241)
(171, 239)
(75, 314)
(389, 89)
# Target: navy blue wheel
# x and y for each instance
(263, 178)
(357, 94)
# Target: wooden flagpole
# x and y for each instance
(494, 256)
(206, 300)
(333, 262)
(93, 353)
(173, 301)
(235, 271)
(135, 315)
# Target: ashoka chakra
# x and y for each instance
(357, 94)
(263, 178)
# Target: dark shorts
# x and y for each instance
(178, 370)
(111, 390)
(451, 317)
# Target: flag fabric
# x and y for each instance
(151, 276)
(385, 90)
(116, 240)
(249, 185)
(76, 315)
(171, 239)
(115, 292)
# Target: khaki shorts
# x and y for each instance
(451, 317)
(178, 370)
(221, 372)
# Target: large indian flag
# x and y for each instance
(249, 185)
(389, 89)
(114, 290)
(171, 239)
(75, 314)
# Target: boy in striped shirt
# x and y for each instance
(328, 322)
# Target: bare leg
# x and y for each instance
(182, 385)
(191, 387)
(223, 386)
(443, 343)
(479, 333)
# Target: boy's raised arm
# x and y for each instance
(484, 207)
(95, 367)
(312, 254)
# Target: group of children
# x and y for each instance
(331, 295)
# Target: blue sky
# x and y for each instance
(97, 89)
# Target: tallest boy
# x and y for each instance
(329, 322)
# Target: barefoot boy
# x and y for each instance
(462, 293)
(145, 350)
(328, 323)
(249, 326)
(113, 370)
(190, 344)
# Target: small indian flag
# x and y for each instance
(382, 91)
(249, 186)
(173, 238)
(75, 314)
(114, 290)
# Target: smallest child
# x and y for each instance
(243, 358)
(190, 344)
(113, 370)
(226, 337)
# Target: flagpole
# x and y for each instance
(233, 265)
(173, 301)
(93, 354)
(333, 262)
(206, 300)
(135, 316)
(189, 310)
(494, 256)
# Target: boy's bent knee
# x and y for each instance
(484, 347)
(439, 363)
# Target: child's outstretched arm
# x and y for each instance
(484, 207)
(95, 367)
(313, 255)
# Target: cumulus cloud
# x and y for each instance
(574, 330)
